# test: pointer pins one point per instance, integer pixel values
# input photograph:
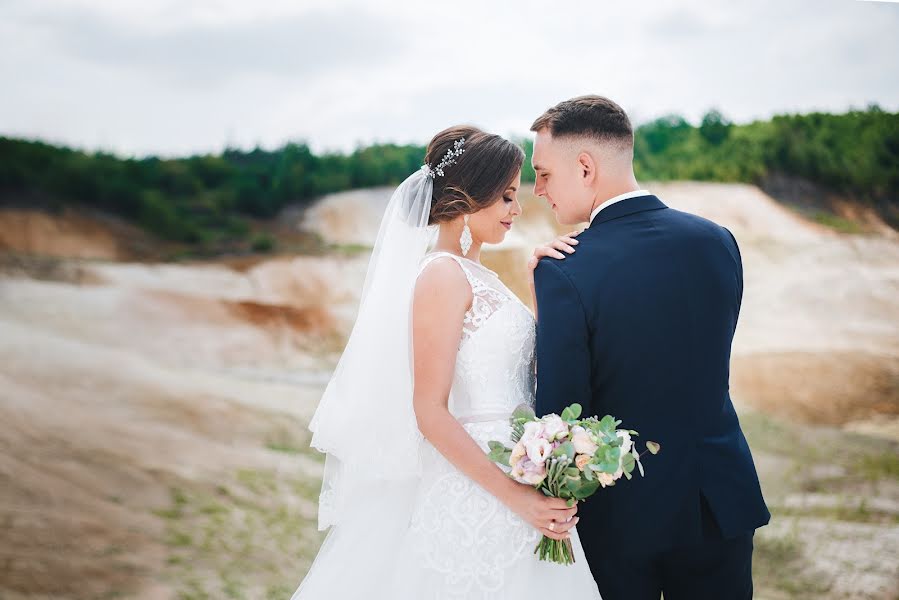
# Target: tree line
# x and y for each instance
(201, 200)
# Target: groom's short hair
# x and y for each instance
(591, 116)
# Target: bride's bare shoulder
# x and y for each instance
(443, 285)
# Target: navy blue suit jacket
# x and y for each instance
(638, 323)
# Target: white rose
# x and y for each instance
(583, 443)
(538, 451)
(532, 431)
(626, 442)
(555, 427)
(604, 479)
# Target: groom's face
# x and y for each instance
(559, 179)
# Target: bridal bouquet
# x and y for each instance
(567, 457)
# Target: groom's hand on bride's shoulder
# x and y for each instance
(551, 516)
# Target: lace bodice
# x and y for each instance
(495, 363)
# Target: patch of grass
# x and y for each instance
(263, 243)
(285, 447)
(278, 592)
(837, 223)
(232, 587)
(111, 551)
(167, 513)
(289, 440)
(179, 539)
(257, 481)
(175, 511)
(767, 435)
(252, 531)
(779, 564)
(193, 590)
(349, 249)
(863, 458)
(213, 508)
(883, 465)
(858, 512)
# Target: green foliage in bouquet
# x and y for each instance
(564, 456)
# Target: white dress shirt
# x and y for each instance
(617, 198)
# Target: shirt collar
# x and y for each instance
(618, 198)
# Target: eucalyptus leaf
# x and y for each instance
(587, 489)
(523, 411)
(566, 449)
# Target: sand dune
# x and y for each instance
(819, 330)
(71, 234)
(154, 441)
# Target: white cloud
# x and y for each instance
(193, 75)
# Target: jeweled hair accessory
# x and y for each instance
(448, 159)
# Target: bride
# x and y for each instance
(440, 355)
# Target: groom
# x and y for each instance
(638, 323)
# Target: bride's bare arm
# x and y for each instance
(442, 296)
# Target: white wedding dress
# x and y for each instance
(454, 541)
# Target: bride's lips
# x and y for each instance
(507, 224)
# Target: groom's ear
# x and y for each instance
(587, 166)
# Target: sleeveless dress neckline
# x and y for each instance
(474, 262)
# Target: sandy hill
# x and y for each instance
(154, 443)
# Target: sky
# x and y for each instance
(178, 77)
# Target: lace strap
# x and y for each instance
(472, 280)
(485, 301)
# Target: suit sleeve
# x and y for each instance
(563, 352)
(739, 259)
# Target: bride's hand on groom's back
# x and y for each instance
(543, 512)
(554, 248)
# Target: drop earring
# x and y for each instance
(465, 240)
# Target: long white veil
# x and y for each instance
(365, 421)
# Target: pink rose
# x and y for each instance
(532, 430)
(526, 471)
(583, 441)
(555, 427)
(538, 450)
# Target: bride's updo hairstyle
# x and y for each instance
(479, 175)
